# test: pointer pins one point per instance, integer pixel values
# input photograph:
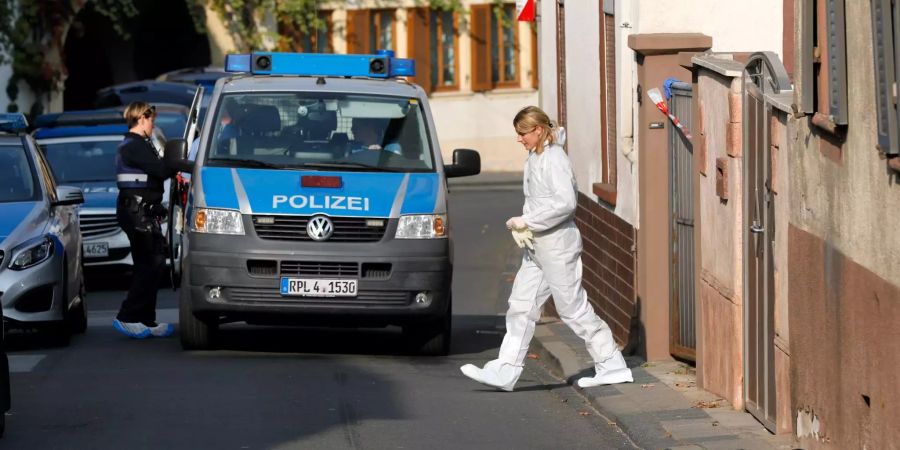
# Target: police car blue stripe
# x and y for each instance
(421, 193)
(218, 188)
(362, 194)
(12, 215)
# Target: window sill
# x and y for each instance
(505, 91)
(605, 192)
(824, 123)
(500, 92)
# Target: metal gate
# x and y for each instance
(682, 339)
(764, 74)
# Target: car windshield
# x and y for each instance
(82, 161)
(171, 124)
(17, 180)
(320, 132)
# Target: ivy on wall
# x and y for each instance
(32, 35)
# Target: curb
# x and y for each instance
(649, 411)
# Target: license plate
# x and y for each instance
(96, 250)
(318, 287)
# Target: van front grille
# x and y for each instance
(346, 229)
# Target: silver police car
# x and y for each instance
(41, 275)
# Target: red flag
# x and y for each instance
(525, 10)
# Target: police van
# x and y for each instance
(314, 193)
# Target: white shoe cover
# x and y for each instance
(612, 371)
(495, 374)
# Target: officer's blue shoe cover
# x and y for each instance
(132, 330)
(162, 330)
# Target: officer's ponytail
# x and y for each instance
(531, 117)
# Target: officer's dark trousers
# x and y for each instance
(148, 253)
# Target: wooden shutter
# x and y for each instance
(358, 31)
(419, 36)
(609, 41)
(885, 75)
(837, 61)
(480, 30)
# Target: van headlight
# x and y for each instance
(32, 253)
(422, 226)
(217, 221)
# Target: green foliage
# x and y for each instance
(32, 33)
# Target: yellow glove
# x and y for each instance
(523, 238)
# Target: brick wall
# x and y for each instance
(609, 264)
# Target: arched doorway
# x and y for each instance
(163, 38)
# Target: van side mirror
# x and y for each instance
(68, 195)
(465, 163)
(175, 156)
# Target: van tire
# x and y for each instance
(196, 334)
(431, 338)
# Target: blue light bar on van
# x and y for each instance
(380, 65)
(13, 122)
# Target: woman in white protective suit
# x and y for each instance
(551, 264)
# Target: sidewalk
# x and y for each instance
(663, 408)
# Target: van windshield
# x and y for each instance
(320, 131)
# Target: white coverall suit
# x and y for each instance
(552, 268)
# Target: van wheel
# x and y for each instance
(431, 338)
(195, 334)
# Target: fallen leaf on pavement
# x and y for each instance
(645, 386)
(706, 404)
(533, 356)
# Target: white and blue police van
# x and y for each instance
(314, 193)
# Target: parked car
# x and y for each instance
(5, 397)
(81, 149)
(200, 76)
(150, 91)
(41, 271)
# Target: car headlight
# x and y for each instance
(32, 253)
(422, 226)
(217, 221)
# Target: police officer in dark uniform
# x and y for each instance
(140, 174)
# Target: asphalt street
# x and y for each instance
(303, 387)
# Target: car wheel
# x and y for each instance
(2, 424)
(431, 338)
(78, 317)
(196, 334)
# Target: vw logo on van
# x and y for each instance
(319, 228)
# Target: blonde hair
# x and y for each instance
(531, 117)
(135, 110)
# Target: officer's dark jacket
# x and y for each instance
(136, 157)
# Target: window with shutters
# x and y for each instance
(444, 41)
(824, 59)
(495, 47)
(418, 32)
(370, 30)
(382, 30)
(885, 32)
(606, 188)
(292, 38)
(504, 47)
